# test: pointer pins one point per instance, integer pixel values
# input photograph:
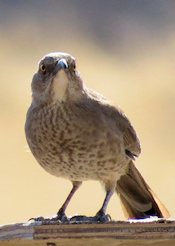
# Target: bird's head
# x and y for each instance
(56, 79)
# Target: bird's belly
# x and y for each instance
(79, 153)
(83, 162)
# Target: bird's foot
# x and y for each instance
(102, 217)
(37, 219)
(60, 218)
(98, 218)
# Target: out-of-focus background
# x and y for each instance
(126, 51)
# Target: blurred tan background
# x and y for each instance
(126, 51)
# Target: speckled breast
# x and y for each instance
(69, 146)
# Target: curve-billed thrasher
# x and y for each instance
(74, 133)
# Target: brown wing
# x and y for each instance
(100, 104)
(131, 141)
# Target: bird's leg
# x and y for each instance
(101, 214)
(61, 213)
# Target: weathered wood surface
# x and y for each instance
(156, 233)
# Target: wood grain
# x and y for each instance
(156, 233)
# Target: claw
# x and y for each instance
(38, 219)
(104, 218)
(60, 218)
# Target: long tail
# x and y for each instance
(138, 200)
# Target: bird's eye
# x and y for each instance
(74, 66)
(43, 68)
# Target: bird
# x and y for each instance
(77, 134)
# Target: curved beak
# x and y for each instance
(62, 64)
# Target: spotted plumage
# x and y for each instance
(75, 133)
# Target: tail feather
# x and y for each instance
(138, 200)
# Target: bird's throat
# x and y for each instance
(60, 84)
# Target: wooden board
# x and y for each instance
(157, 233)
